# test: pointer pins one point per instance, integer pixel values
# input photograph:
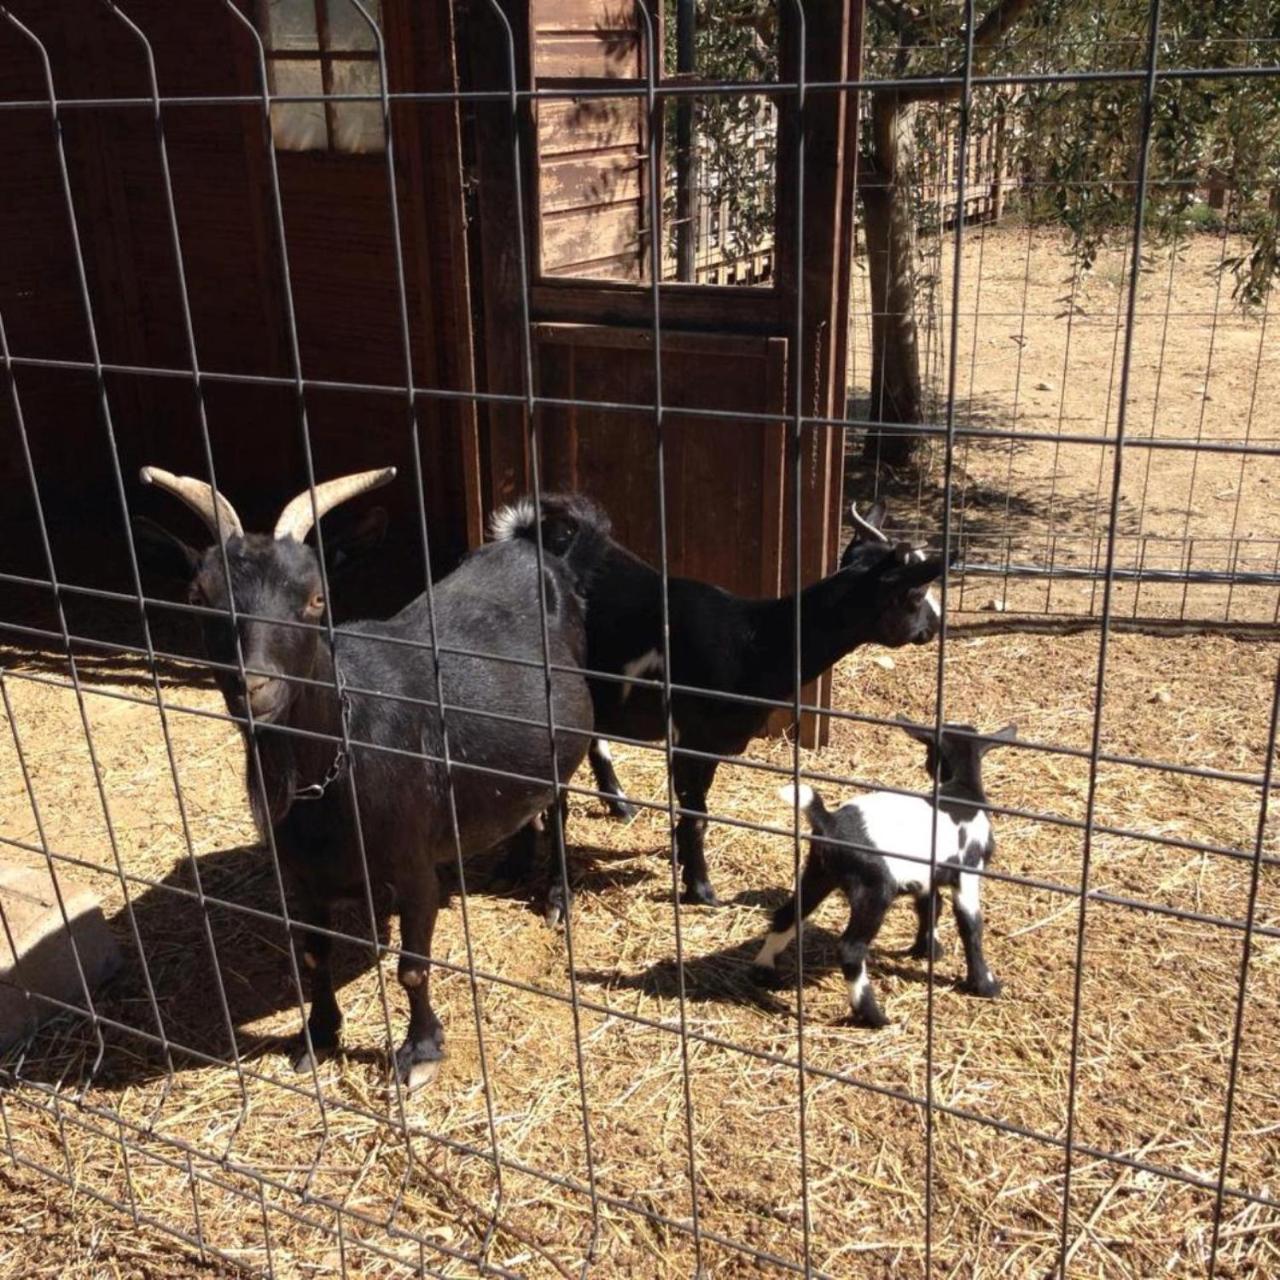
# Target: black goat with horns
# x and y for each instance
(302, 698)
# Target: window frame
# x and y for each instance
(326, 57)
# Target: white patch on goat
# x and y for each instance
(507, 521)
(899, 829)
(858, 987)
(646, 665)
(968, 894)
(788, 795)
(773, 946)
(919, 556)
(601, 749)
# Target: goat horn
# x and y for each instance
(297, 518)
(201, 497)
(865, 526)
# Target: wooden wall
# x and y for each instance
(339, 236)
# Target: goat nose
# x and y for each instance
(255, 684)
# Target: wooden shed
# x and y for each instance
(513, 267)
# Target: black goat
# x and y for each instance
(878, 847)
(384, 693)
(724, 644)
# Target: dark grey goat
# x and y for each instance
(724, 644)
(489, 605)
(879, 846)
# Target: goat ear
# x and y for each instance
(558, 532)
(914, 573)
(162, 553)
(345, 546)
(875, 514)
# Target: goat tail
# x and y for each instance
(574, 529)
(809, 800)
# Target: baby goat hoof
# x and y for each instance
(988, 988)
(619, 808)
(872, 1017)
(700, 894)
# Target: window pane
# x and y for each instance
(298, 126)
(719, 207)
(721, 149)
(347, 28)
(291, 25)
(357, 126)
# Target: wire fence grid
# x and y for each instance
(215, 1145)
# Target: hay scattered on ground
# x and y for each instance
(1158, 1006)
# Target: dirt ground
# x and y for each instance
(1040, 350)
(252, 1161)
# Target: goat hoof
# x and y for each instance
(418, 1062)
(700, 894)
(872, 1018)
(306, 1060)
(623, 809)
(986, 989)
(555, 912)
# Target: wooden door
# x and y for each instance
(562, 238)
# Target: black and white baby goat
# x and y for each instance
(388, 704)
(877, 848)
(724, 644)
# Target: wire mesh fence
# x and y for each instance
(630, 1093)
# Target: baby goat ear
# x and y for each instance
(162, 553)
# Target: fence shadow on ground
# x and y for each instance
(1020, 513)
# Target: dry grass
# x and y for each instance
(1158, 993)
(1158, 1003)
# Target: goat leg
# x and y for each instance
(693, 780)
(868, 905)
(607, 783)
(418, 1058)
(928, 906)
(816, 883)
(559, 894)
(516, 864)
(966, 903)
(325, 1019)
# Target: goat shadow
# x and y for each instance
(724, 976)
(207, 975)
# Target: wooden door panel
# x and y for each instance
(723, 477)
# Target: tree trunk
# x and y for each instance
(885, 188)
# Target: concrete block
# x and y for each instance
(45, 962)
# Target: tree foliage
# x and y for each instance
(1075, 140)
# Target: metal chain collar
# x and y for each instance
(317, 789)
